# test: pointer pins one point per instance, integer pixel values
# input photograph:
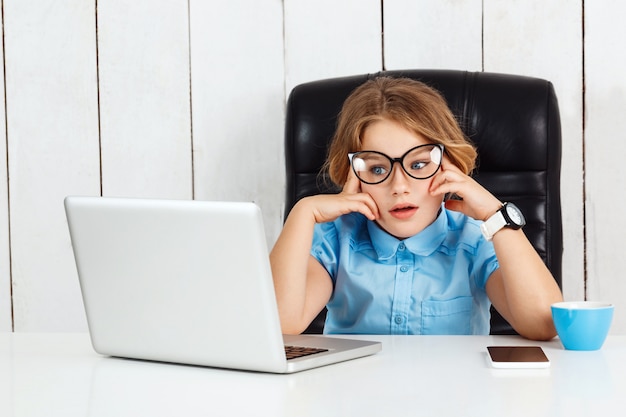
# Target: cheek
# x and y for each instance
(426, 190)
(375, 192)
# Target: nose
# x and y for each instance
(399, 180)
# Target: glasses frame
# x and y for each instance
(399, 160)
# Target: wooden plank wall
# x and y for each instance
(604, 152)
(237, 78)
(523, 37)
(52, 146)
(6, 319)
(145, 118)
(185, 99)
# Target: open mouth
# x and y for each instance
(403, 208)
(403, 212)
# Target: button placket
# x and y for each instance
(402, 290)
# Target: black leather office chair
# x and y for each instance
(513, 120)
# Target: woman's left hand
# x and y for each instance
(475, 202)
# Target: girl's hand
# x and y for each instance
(476, 201)
(327, 207)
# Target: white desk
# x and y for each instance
(60, 375)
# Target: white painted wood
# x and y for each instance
(143, 56)
(329, 38)
(52, 129)
(6, 321)
(424, 34)
(544, 39)
(238, 104)
(605, 148)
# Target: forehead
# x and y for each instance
(390, 137)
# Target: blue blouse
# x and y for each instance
(431, 283)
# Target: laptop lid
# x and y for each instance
(185, 282)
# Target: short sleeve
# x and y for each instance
(485, 262)
(325, 247)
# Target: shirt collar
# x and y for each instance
(424, 243)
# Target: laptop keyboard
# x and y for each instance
(294, 352)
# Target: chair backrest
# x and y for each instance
(513, 121)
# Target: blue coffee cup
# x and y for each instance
(582, 325)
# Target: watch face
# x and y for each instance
(514, 214)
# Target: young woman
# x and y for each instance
(391, 254)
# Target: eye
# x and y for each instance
(378, 170)
(417, 165)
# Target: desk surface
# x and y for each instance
(60, 375)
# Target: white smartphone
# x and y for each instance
(517, 357)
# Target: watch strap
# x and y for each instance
(493, 224)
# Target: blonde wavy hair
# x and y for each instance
(414, 105)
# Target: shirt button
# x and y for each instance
(399, 319)
(401, 247)
(404, 268)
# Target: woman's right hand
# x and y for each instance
(327, 207)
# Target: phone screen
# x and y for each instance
(517, 357)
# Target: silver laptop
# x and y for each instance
(187, 282)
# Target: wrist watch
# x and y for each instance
(508, 216)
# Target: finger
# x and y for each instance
(368, 203)
(361, 203)
(368, 211)
(446, 182)
(445, 162)
(372, 206)
(438, 180)
(447, 165)
(352, 185)
(441, 189)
